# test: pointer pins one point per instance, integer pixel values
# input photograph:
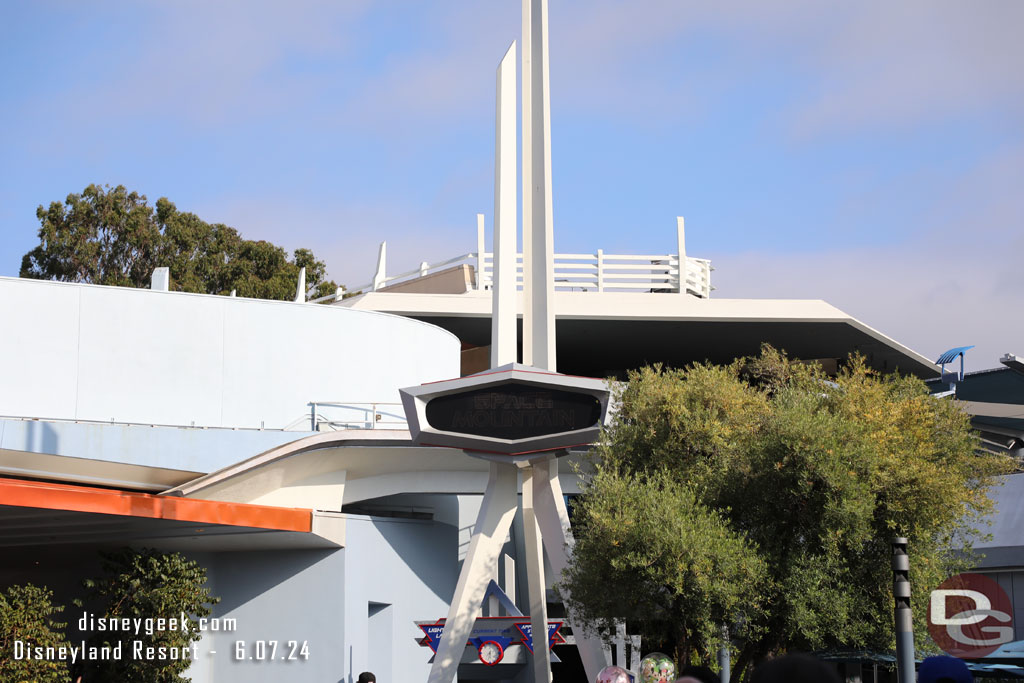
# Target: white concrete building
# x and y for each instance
(265, 440)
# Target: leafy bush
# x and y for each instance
(147, 584)
(27, 615)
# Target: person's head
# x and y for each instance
(795, 668)
(366, 677)
(698, 674)
(943, 669)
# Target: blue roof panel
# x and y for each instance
(950, 355)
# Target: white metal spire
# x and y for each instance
(538, 241)
(503, 314)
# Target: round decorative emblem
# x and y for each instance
(970, 616)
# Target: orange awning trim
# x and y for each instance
(71, 498)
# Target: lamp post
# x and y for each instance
(902, 614)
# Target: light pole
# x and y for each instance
(902, 613)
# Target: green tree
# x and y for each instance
(147, 584)
(28, 615)
(110, 236)
(647, 551)
(788, 486)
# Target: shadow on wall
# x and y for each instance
(40, 437)
(418, 545)
(270, 569)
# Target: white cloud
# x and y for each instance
(955, 281)
(898, 64)
(205, 64)
(647, 62)
(923, 299)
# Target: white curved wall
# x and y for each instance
(87, 352)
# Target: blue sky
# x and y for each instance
(870, 153)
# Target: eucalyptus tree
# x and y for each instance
(111, 236)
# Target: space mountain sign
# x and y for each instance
(511, 410)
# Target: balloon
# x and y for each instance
(613, 674)
(657, 667)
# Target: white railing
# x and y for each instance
(602, 272)
(597, 272)
(337, 415)
(381, 280)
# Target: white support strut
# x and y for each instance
(526, 74)
(539, 263)
(536, 585)
(480, 260)
(380, 276)
(492, 525)
(553, 520)
(681, 253)
(503, 316)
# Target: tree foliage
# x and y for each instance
(762, 496)
(147, 584)
(648, 547)
(111, 236)
(27, 614)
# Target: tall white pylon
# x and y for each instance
(527, 176)
(545, 520)
(501, 498)
(538, 295)
(503, 315)
(538, 240)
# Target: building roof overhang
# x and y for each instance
(90, 471)
(332, 469)
(47, 513)
(611, 331)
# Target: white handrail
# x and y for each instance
(619, 272)
(423, 269)
(599, 272)
(356, 415)
(590, 271)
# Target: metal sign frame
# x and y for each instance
(416, 399)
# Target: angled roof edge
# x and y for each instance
(380, 437)
(71, 498)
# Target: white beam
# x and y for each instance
(537, 185)
(536, 586)
(300, 287)
(503, 313)
(553, 520)
(526, 74)
(382, 266)
(510, 578)
(681, 253)
(481, 564)
(480, 245)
